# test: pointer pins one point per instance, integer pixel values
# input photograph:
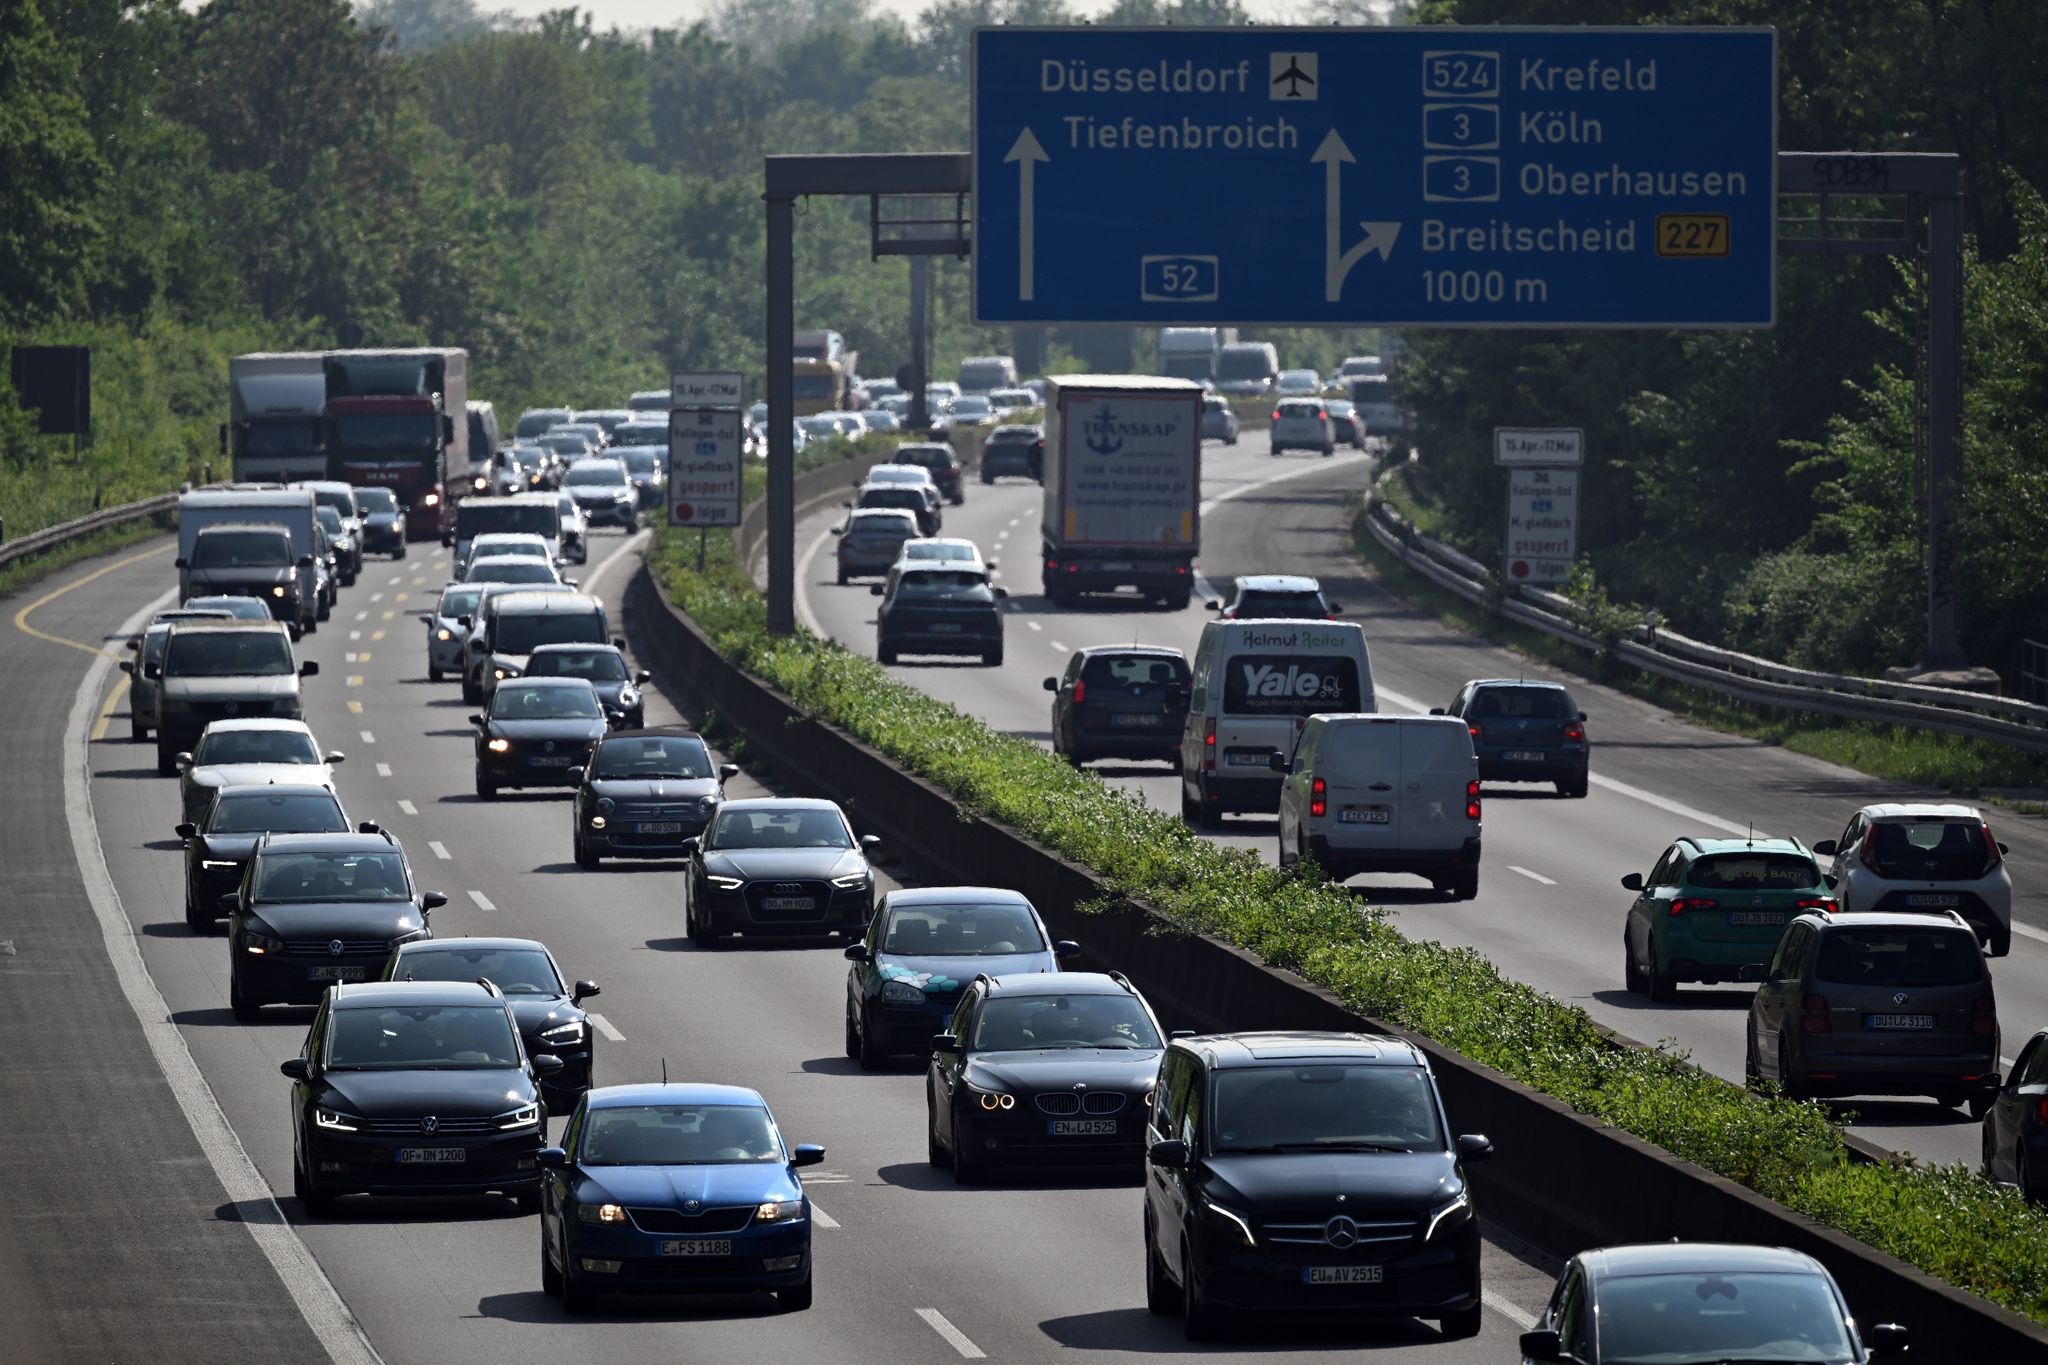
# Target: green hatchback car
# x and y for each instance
(1713, 910)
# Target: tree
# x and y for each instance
(50, 240)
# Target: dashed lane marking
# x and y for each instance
(355, 635)
(1532, 876)
(390, 615)
(397, 578)
(954, 1337)
(383, 770)
(409, 808)
(1511, 1311)
(1034, 625)
(355, 708)
(483, 902)
(822, 1218)
(377, 634)
(368, 738)
(363, 614)
(606, 1027)
(440, 849)
(355, 680)
(1058, 648)
(377, 596)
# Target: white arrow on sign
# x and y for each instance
(1379, 237)
(1025, 151)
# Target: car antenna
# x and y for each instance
(664, 1071)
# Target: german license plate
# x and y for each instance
(1898, 1021)
(1081, 1127)
(722, 1247)
(1934, 902)
(1756, 916)
(1343, 1274)
(1365, 815)
(337, 973)
(1244, 760)
(1523, 755)
(552, 760)
(1117, 566)
(1128, 718)
(432, 1156)
(789, 903)
(658, 827)
(946, 627)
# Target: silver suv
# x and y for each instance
(1925, 858)
(1877, 1004)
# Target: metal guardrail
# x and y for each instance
(1725, 672)
(50, 537)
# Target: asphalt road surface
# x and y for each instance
(147, 1130)
(1550, 906)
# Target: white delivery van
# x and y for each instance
(1371, 793)
(291, 508)
(1255, 685)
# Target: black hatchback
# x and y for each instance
(940, 609)
(1120, 701)
(1525, 732)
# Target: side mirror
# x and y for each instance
(334, 756)
(1542, 1344)
(2003, 849)
(1052, 684)
(945, 1042)
(293, 1068)
(128, 666)
(551, 1158)
(583, 990)
(1830, 878)
(1582, 715)
(992, 564)
(427, 618)
(690, 844)
(856, 952)
(1278, 762)
(1181, 1033)
(1825, 848)
(463, 621)
(1172, 1155)
(546, 1063)
(875, 590)
(182, 761)
(1992, 1083)
(309, 668)
(181, 563)
(576, 775)
(642, 677)
(433, 900)
(870, 840)
(1334, 606)
(1887, 1336)
(1632, 882)
(1000, 593)
(1474, 1147)
(368, 827)
(228, 904)
(1066, 948)
(1438, 711)
(186, 830)
(1212, 604)
(477, 720)
(305, 561)
(807, 1154)
(133, 642)
(728, 771)
(447, 539)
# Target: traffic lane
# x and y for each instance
(95, 1138)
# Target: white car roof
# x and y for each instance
(923, 547)
(227, 726)
(1920, 810)
(1278, 582)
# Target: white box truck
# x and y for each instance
(1190, 352)
(275, 401)
(1123, 486)
(292, 592)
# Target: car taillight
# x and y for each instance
(1992, 857)
(1867, 855)
(1073, 568)
(1080, 691)
(1472, 800)
(1825, 904)
(1474, 728)
(1318, 799)
(1575, 731)
(2041, 1110)
(1276, 414)
(1052, 565)
(1209, 744)
(1322, 416)
(1813, 1015)
(1983, 1016)
(1681, 904)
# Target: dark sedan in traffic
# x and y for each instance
(218, 844)
(536, 734)
(1120, 701)
(778, 866)
(604, 668)
(645, 794)
(547, 1010)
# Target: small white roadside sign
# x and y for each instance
(711, 389)
(1554, 448)
(703, 467)
(1543, 525)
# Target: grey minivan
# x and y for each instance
(1877, 1004)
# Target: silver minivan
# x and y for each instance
(1370, 793)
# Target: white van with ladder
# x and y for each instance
(1254, 685)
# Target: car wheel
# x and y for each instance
(1789, 1085)
(1465, 885)
(472, 690)
(966, 1170)
(842, 577)
(873, 1056)
(2021, 1176)
(852, 1037)
(200, 925)
(527, 1201)
(1460, 1325)
(988, 478)
(486, 790)
(885, 654)
(2001, 941)
(934, 1151)
(166, 756)
(1197, 1318)
(1661, 987)
(1632, 978)
(550, 1278)
(576, 1299)
(992, 658)
(137, 731)
(1752, 1070)
(1190, 807)
(399, 553)
(1328, 451)
(1160, 1298)
(796, 1298)
(312, 1197)
(245, 1009)
(701, 935)
(585, 858)
(434, 674)
(1980, 1104)
(1230, 440)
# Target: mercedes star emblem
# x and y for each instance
(1341, 1233)
(334, 947)
(430, 1125)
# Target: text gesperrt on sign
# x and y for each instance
(1543, 525)
(704, 453)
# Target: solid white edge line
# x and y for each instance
(1532, 876)
(803, 586)
(1516, 1315)
(822, 1218)
(955, 1338)
(2029, 931)
(327, 1317)
(624, 554)
(604, 1026)
(1244, 489)
(482, 901)
(439, 850)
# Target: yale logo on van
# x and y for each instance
(1270, 680)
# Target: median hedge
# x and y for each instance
(1948, 1221)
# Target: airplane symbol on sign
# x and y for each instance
(1294, 76)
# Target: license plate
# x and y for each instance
(789, 903)
(1898, 1021)
(1756, 916)
(658, 827)
(1343, 1274)
(337, 973)
(552, 760)
(1365, 815)
(1126, 718)
(718, 1248)
(432, 1156)
(1117, 566)
(946, 627)
(1935, 902)
(1081, 1127)
(1247, 760)
(1523, 755)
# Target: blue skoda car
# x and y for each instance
(674, 1189)
(921, 948)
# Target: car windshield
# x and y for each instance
(459, 602)
(1302, 407)
(543, 703)
(373, 501)
(640, 460)
(1259, 605)
(388, 433)
(515, 971)
(276, 813)
(522, 634)
(254, 746)
(536, 422)
(884, 473)
(1522, 703)
(1023, 1023)
(240, 608)
(944, 583)
(1899, 957)
(422, 1038)
(226, 654)
(597, 476)
(1933, 850)
(648, 757)
(1326, 1105)
(344, 504)
(329, 519)
(679, 1135)
(940, 550)
(511, 569)
(1754, 872)
(507, 543)
(526, 457)
(1140, 673)
(480, 516)
(331, 877)
(598, 665)
(1693, 1318)
(891, 495)
(813, 828)
(242, 550)
(1289, 685)
(568, 444)
(962, 930)
(883, 528)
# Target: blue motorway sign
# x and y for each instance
(1404, 176)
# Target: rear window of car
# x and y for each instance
(1754, 872)
(881, 527)
(1146, 671)
(1281, 606)
(1929, 850)
(1522, 703)
(1301, 407)
(1899, 957)
(1283, 685)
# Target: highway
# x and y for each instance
(147, 1129)
(1550, 906)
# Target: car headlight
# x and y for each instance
(261, 944)
(215, 864)
(525, 1117)
(499, 746)
(1453, 1212)
(277, 591)
(504, 671)
(850, 881)
(444, 634)
(597, 822)
(571, 1032)
(779, 1211)
(605, 805)
(992, 1100)
(628, 697)
(600, 1213)
(901, 993)
(334, 1121)
(431, 500)
(719, 883)
(411, 936)
(1230, 1218)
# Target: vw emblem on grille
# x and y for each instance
(1341, 1233)
(430, 1125)
(690, 1204)
(788, 888)
(233, 707)
(1898, 997)
(1756, 900)
(548, 747)
(334, 947)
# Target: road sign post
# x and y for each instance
(703, 467)
(1411, 176)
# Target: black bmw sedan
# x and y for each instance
(416, 1087)
(644, 794)
(536, 733)
(777, 865)
(548, 1011)
(218, 844)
